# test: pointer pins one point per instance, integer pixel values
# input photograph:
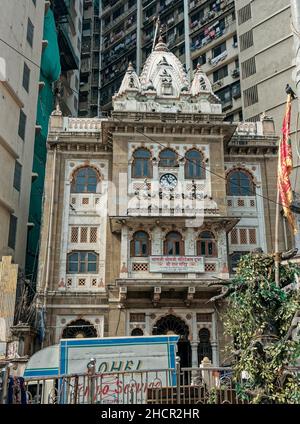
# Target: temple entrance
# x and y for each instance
(171, 324)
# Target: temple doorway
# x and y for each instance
(171, 324)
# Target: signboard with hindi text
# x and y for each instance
(174, 264)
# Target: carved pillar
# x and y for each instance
(124, 253)
(214, 341)
(194, 346)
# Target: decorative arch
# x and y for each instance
(79, 328)
(240, 182)
(207, 244)
(141, 166)
(194, 167)
(85, 179)
(174, 244)
(137, 332)
(140, 244)
(171, 324)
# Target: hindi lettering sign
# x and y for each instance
(173, 264)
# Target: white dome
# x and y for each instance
(164, 72)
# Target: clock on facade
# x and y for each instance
(168, 181)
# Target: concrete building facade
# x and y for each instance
(21, 31)
(144, 210)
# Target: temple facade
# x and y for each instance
(147, 209)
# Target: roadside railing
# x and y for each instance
(203, 385)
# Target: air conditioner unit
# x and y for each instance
(235, 73)
(157, 290)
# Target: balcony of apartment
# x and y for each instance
(119, 19)
(68, 58)
(86, 46)
(119, 51)
(207, 20)
(211, 38)
(60, 8)
(85, 65)
(111, 40)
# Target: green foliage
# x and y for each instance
(258, 317)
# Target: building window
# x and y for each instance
(30, 32)
(17, 176)
(12, 232)
(26, 77)
(174, 245)
(141, 166)
(225, 96)
(137, 332)
(137, 317)
(85, 180)
(194, 165)
(140, 244)
(82, 263)
(204, 347)
(235, 258)
(243, 236)
(167, 157)
(244, 14)
(22, 125)
(206, 245)
(216, 51)
(240, 183)
(248, 67)
(246, 40)
(220, 73)
(250, 96)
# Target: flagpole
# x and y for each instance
(278, 203)
(277, 254)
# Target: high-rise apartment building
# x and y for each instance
(21, 35)
(90, 60)
(196, 32)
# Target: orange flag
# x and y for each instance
(285, 166)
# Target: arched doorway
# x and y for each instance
(204, 346)
(79, 329)
(171, 324)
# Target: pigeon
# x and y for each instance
(289, 90)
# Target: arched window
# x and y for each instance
(194, 165)
(82, 263)
(167, 157)
(137, 332)
(206, 245)
(173, 245)
(85, 181)
(204, 346)
(141, 166)
(240, 183)
(140, 244)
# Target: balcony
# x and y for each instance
(82, 282)
(171, 267)
(68, 58)
(241, 203)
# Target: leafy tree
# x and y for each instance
(260, 320)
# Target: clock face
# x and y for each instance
(168, 181)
